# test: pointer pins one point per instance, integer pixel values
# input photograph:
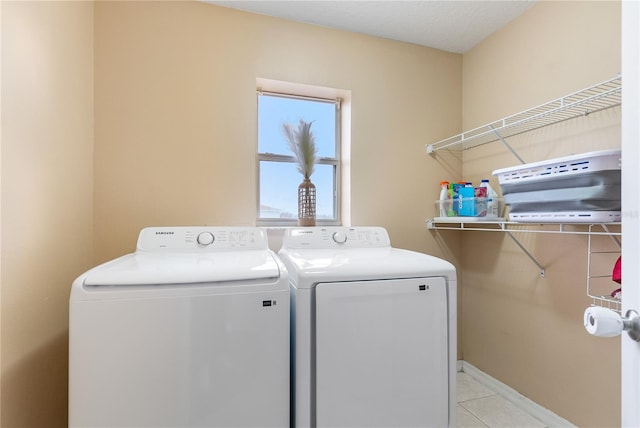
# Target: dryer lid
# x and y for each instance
(307, 267)
(184, 268)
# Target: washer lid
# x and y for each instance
(184, 268)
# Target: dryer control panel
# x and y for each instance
(336, 237)
(202, 238)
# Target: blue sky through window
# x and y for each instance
(279, 180)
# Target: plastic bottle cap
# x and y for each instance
(443, 183)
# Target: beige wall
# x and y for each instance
(175, 118)
(520, 328)
(175, 112)
(47, 169)
(174, 136)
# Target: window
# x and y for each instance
(277, 168)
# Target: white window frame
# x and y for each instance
(333, 161)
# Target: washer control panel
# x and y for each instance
(336, 237)
(202, 238)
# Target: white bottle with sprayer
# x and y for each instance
(493, 205)
(445, 200)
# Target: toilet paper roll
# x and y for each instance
(602, 322)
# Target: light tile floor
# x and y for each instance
(480, 407)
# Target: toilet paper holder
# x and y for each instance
(604, 322)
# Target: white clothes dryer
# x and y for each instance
(374, 331)
(191, 330)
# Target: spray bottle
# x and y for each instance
(493, 204)
(445, 201)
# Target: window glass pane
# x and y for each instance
(274, 111)
(324, 179)
(279, 190)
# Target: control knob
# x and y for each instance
(205, 238)
(339, 237)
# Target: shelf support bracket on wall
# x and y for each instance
(522, 247)
(507, 145)
(612, 236)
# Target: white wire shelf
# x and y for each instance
(612, 230)
(514, 226)
(589, 100)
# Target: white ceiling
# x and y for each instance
(450, 25)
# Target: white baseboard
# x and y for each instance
(529, 406)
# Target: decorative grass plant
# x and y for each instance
(302, 143)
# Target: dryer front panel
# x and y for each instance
(382, 353)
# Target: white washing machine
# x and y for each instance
(191, 330)
(374, 331)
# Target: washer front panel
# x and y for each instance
(189, 361)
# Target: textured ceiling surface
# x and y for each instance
(449, 25)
